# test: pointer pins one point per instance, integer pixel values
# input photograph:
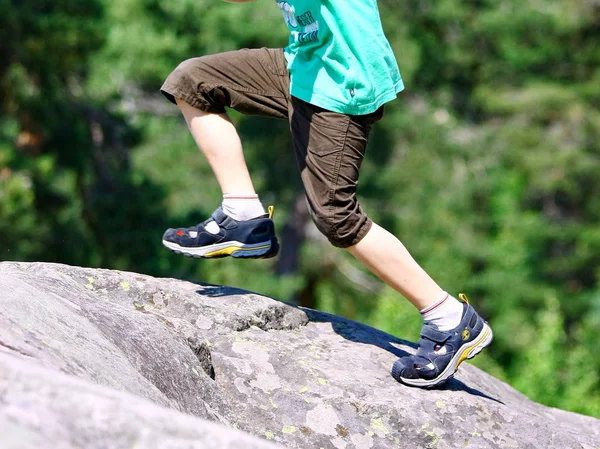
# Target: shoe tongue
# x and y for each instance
(431, 325)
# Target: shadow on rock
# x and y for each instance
(351, 331)
(215, 291)
(361, 333)
(456, 385)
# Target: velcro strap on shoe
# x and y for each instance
(437, 336)
(218, 215)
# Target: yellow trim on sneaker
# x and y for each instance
(271, 210)
(463, 298)
(464, 356)
(232, 249)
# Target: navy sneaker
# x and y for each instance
(252, 239)
(441, 352)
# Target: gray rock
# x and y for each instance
(96, 358)
(42, 408)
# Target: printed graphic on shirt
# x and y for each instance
(304, 27)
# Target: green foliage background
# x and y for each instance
(487, 167)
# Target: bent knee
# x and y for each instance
(343, 227)
(179, 80)
(191, 81)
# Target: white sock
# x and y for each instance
(445, 313)
(242, 207)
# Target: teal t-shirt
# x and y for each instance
(338, 56)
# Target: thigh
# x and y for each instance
(329, 149)
(251, 81)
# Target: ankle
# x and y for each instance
(242, 207)
(445, 313)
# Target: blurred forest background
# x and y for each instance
(487, 166)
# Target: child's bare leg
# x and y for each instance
(441, 349)
(386, 256)
(203, 88)
(218, 140)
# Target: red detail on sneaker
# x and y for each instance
(180, 233)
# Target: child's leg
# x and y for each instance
(203, 87)
(218, 140)
(386, 256)
(329, 149)
(254, 82)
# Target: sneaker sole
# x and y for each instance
(468, 351)
(263, 250)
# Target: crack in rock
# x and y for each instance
(202, 352)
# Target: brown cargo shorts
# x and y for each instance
(329, 146)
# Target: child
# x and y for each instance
(331, 83)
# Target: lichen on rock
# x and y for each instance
(99, 359)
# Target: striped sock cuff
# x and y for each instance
(235, 196)
(435, 305)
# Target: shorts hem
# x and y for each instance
(359, 236)
(172, 93)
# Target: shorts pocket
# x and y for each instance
(274, 61)
(323, 132)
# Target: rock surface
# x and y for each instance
(106, 359)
